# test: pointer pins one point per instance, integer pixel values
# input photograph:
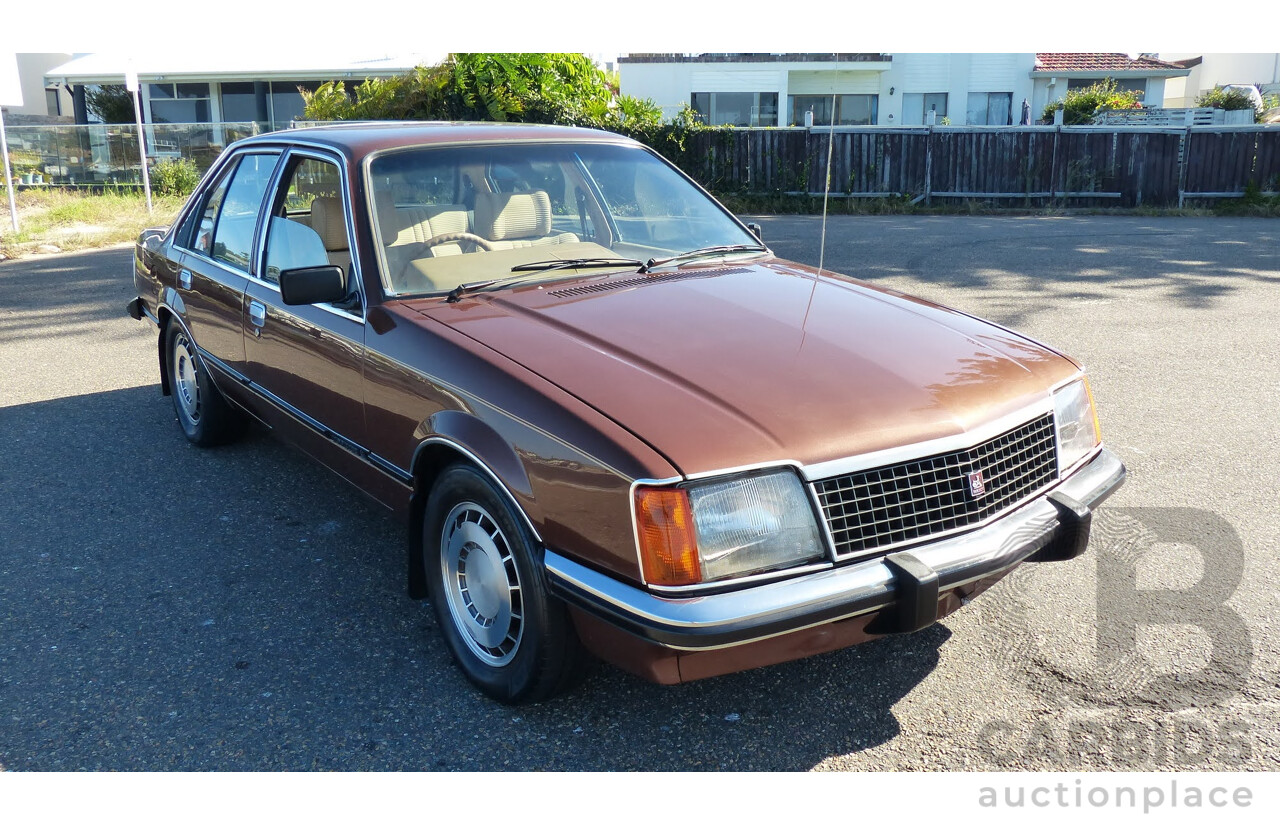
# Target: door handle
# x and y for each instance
(184, 278)
(258, 316)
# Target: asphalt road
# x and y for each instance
(164, 607)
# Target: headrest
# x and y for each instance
(512, 215)
(327, 219)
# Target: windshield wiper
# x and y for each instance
(535, 269)
(703, 252)
(573, 263)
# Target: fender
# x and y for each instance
(473, 436)
(458, 434)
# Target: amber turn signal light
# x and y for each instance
(1097, 428)
(664, 527)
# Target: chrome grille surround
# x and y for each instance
(875, 510)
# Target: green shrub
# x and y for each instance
(1229, 99)
(175, 176)
(1080, 106)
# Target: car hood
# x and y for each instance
(723, 367)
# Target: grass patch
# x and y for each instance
(1254, 204)
(73, 220)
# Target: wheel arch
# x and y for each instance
(437, 452)
(165, 316)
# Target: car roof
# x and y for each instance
(359, 139)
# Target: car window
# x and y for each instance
(235, 221)
(650, 203)
(310, 178)
(525, 203)
(208, 214)
(309, 223)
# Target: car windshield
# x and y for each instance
(450, 216)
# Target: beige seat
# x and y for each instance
(510, 220)
(328, 220)
(407, 229)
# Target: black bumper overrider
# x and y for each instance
(902, 587)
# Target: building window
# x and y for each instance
(286, 101)
(53, 101)
(240, 103)
(736, 108)
(916, 108)
(850, 110)
(990, 109)
(179, 102)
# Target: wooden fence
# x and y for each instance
(1016, 166)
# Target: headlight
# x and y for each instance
(1077, 423)
(714, 530)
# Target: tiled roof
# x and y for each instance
(1100, 62)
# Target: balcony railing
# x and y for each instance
(101, 154)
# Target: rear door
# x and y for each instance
(216, 255)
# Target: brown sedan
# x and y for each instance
(613, 420)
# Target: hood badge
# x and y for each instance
(977, 488)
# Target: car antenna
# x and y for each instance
(826, 193)
(826, 186)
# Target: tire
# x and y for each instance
(484, 579)
(206, 417)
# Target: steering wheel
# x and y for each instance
(448, 237)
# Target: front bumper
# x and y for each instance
(903, 588)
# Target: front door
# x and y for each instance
(308, 360)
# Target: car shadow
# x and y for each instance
(787, 717)
(172, 608)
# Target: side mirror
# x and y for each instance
(313, 285)
(757, 230)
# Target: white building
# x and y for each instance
(877, 89)
(1208, 71)
(40, 102)
(209, 88)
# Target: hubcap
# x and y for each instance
(481, 583)
(185, 387)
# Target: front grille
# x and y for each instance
(889, 506)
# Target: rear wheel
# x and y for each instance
(510, 637)
(205, 416)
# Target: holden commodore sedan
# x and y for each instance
(614, 422)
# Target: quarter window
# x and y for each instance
(208, 216)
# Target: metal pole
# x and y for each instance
(1182, 165)
(928, 165)
(8, 178)
(1053, 161)
(142, 147)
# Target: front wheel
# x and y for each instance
(205, 416)
(511, 639)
